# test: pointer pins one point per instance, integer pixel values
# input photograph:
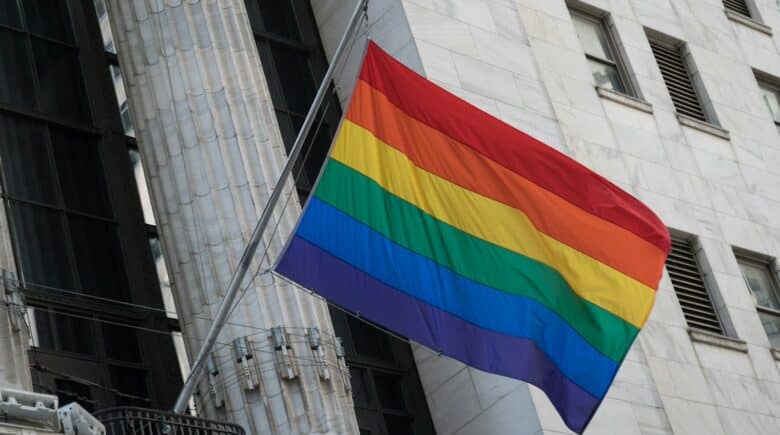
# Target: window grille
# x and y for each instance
(690, 288)
(678, 79)
(738, 6)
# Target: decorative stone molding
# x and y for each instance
(626, 100)
(705, 127)
(718, 340)
(749, 22)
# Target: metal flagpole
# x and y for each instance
(262, 223)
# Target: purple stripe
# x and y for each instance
(358, 292)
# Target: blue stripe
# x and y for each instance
(519, 358)
(485, 307)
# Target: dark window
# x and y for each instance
(91, 260)
(291, 68)
(386, 389)
(692, 293)
(121, 343)
(80, 172)
(16, 86)
(674, 69)
(294, 63)
(71, 391)
(315, 156)
(361, 391)
(74, 334)
(738, 6)
(389, 387)
(398, 424)
(48, 18)
(368, 340)
(131, 384)
(26, 160)
(61, 86)
(98, 258)
(278, 17)
(288, 125)
(67, 332)
(608, 68)
(9, 13)
(41, 245)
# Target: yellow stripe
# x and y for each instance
(491, 221)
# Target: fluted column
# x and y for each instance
(212, 150)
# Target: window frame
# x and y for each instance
(607, 28)
(682, 51)
(766, 264)
(766, 82)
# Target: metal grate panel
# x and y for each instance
(678, 80)
(139, 421)
(691, 292)
(738, 6)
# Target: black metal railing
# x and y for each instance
(140, 421)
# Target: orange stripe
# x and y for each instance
(441, 155)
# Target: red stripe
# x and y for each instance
(511, 148)
(554, 216)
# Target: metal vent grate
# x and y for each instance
(738, 6)
(691, 292)
(677, 79)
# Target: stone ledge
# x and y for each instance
(706, 127)
(749, 22)
(624, 99)
(775, 353)
(717, 340)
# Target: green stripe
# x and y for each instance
(473, 258)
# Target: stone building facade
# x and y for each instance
(714, 182)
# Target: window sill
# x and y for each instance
(718, 340)
(626, 100)
(749, 22)
(775, 353)
(706, 127)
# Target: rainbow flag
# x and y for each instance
(448, 226)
